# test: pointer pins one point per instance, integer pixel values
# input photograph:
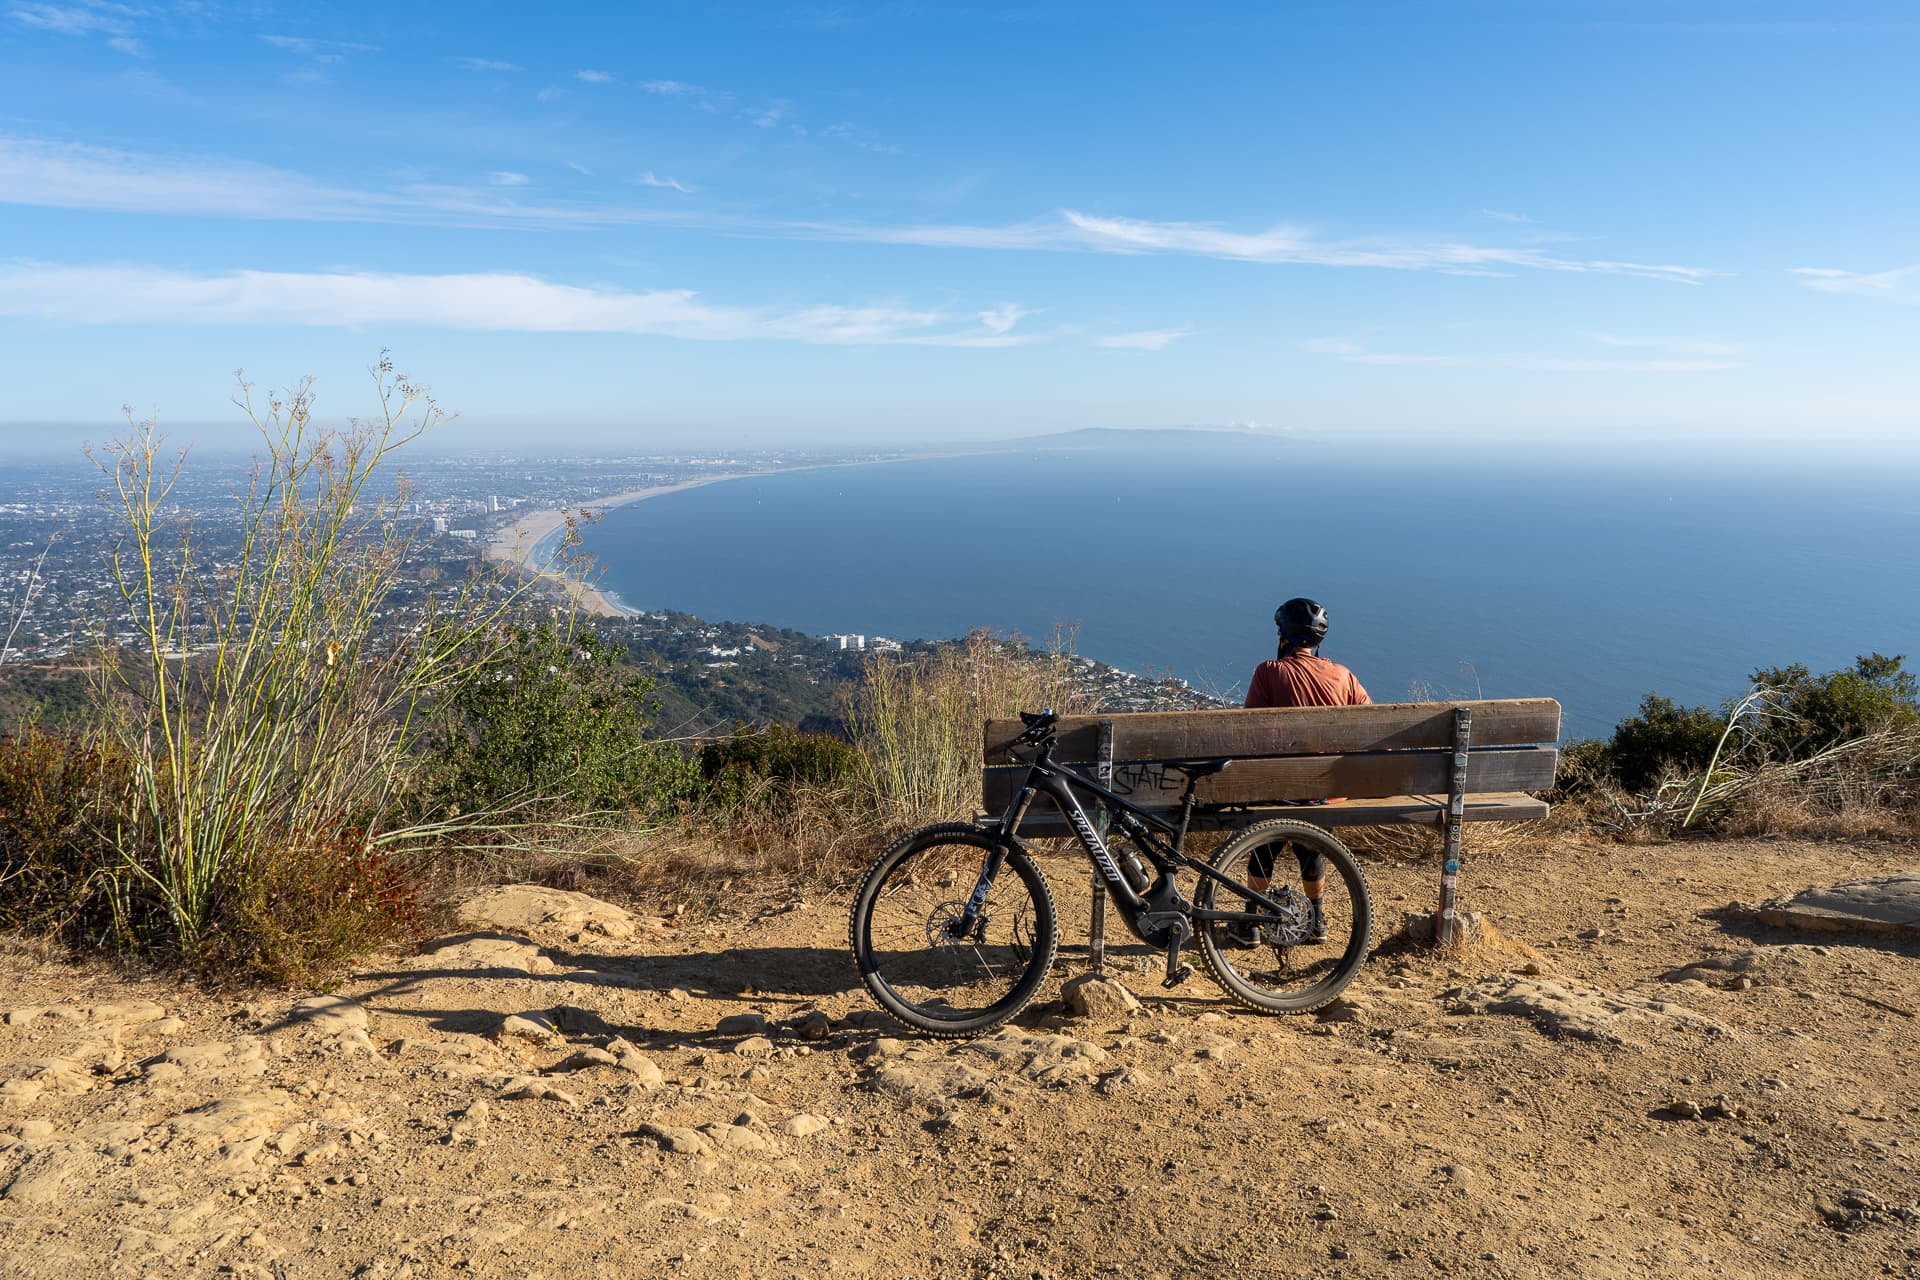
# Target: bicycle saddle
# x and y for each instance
(1198, 769)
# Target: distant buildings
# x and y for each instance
(879, 644)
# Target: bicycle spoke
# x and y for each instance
(929, 960)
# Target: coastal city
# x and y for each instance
(60, 522)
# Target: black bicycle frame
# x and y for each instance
(1059, 784)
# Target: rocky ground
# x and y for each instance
(1636, 1086)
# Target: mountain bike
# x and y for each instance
(954, 931)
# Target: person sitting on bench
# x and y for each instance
(1299, 677)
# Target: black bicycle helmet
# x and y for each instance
(1301, 622)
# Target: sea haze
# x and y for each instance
(1588, 583)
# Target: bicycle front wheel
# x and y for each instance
(924, 959)
(1299, 958)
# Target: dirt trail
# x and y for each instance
(567, 1089)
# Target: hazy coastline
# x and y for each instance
(522, 541)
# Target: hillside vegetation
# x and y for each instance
(293, 764)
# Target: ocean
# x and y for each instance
(1588, 583)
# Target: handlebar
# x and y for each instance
(1039, 728)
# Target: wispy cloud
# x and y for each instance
(70, 175)
(1145, 339)
(1074, 231)
(508, 178)
(1358, 353)
(1504, 215)
(1678, 346)
(652, 179)
(492, 301)
(1900, 284)
(323, 50)
(673, 88)
(594, 77)
(484, 64)
(84, 19)
(1355, 353)
(1292, 244)
(1002, 318)
(74, 176)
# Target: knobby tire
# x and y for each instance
(915, 967)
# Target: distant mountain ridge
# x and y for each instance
(1153, 438)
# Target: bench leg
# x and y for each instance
(1097, 927)
(1444, 920)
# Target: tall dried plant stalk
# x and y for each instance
(270, 702)
(919, 719)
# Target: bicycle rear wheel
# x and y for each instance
(919, 958)
(1300, 958)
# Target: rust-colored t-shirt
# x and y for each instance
(1303, 679)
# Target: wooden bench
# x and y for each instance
(1424, 763)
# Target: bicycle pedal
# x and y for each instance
(1173, 980)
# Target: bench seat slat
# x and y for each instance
(1429, 810)
(1358, 774)
(1276, 731)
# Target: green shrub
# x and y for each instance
(1585, 763)
(765, 765)
(1802, 713)
(555, 720)
(1665, 738)
(56, 865)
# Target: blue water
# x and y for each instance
(1590, 585)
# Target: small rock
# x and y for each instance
(1593, 934)
(1724, 1108)
(804, 1125)
(1860, 1200)
(737, 1137)
(533, 1089)
(1115, 1081)
(581, 1059)
(1096, 995)
(742, 1024)
(1685, 1108)
(1214, 1048)
(1344, 1010)
(815, 1026)
(753, 1047)
(680, 1141)
(531, 1027)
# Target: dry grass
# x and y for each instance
(919, 720)
(1869, 785)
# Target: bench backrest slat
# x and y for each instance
(1299, 753)
(1264, 781)
(1277, 731)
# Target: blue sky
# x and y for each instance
(764, 223)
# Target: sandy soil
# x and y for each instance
(557, 1091)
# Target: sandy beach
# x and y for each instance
(520, 542)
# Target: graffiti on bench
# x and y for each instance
(1145, 778)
